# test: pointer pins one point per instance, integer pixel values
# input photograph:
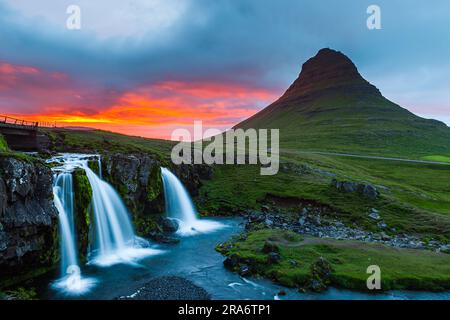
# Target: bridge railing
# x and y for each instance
(17, 122)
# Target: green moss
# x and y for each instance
(3, 144)
(144, 225)
(407, 269)
(154, 184)
(94, 166)
(82, 203)
(19, 294)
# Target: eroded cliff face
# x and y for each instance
(28, 219)
(137, 177)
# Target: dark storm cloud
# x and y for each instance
(261, 43)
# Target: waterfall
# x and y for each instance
(180, 207)
(115, 240)
(63, 195)
(71, 281)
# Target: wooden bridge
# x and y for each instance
(21, 134)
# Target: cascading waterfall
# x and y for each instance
(114, 242)
(63, 197)
(71, 281)
(179, 206)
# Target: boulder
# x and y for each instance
(169, 225)
(273, 258)
(321, 271)
(364, 189)
(270, 247)
(231, 262)
(244, 270)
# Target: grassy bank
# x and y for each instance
(400, 268)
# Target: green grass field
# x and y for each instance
(437, 158)
(414, 197)
(400, 268)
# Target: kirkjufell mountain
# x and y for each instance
(331, 107)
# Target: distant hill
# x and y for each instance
(331, 107)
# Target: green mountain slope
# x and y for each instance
(331, 107)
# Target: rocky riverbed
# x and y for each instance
(310, 222)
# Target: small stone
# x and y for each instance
(244, 270)
(274, 257)
(382, 225)
(374, 214)
(270, 247)
(302, 221)
(385, 237)
(293, 263)
(282, 293)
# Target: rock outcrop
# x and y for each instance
(28, 218)
(365, 189)
(137, 178)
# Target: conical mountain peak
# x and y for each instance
(328, 69)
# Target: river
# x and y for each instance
(195, 258)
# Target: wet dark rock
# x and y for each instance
(192, 175)
(231, 262)
(169, 225)
(273, 257)
(28, 218)
(137, 177)
(162, 238)
(244, 270)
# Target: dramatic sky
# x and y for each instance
(146, 67)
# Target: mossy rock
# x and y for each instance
(94, 166)
(3, 144)
(82, 203)
(154, 185)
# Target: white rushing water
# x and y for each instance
(71, 281)
(114, 242)
(179, 206)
